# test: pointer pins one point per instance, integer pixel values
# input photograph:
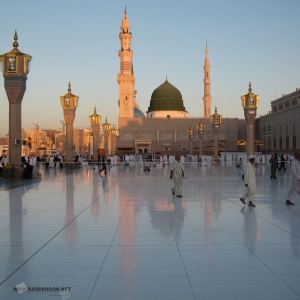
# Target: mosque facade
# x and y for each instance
(164, 127)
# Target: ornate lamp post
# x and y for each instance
(250, 104)
(95, 120)
(15, 68)
(114, 134)
(201, 127)
(69, 103)
(191, 136)
(216, 121)
(106, 131)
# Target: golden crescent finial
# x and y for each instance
(95, 110)
(69, 87)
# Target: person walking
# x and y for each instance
(103, 163)
(177, 174)
(282, 162)
(274, 164)
(250, 182)
(295, 185)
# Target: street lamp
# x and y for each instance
(95, 120)
(114, 134)
(200, 127)
(216, 121)
(250, 103)
(69, 103)
(15, 66)
(106, 132)
(191, 136)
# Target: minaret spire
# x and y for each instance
(207, 98)
(126, 78)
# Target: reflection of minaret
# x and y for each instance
(95, 199)
(207, 98)
(71, 231)
(126, 77)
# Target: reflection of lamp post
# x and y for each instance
(200, 127)
(69, 103)
(114, 134)
(191, 136)
(250, 104)
(15, 67)
(216, 121)
(106, 131)
(95, 120)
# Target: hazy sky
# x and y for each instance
(78, 41)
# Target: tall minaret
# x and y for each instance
(207, 98)
(126, 78)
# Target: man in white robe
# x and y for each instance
(250, 182)
(295, 185)
(177, 174)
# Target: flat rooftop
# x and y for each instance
(124, 236)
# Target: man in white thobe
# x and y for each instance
(177, 174)
(295, 185)
(250, 182)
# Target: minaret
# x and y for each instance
(207, 98)
(126, 78)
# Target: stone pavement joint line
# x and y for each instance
(124, 236)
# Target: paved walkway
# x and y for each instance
(125, 237)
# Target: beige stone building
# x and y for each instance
(165, 129)
(280, 128)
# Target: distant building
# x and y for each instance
(280, 129)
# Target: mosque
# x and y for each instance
(164, 128)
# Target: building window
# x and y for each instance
(280, 107)
(280, 143)
(183, 148)
(167, 148)
(269, 129)
(274, 142)
(287, 104)
(264, 131)
(287, 142)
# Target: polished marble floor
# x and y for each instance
(124, 236)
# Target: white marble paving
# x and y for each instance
(124, 236)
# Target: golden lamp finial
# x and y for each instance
(250, 87)
(69, 87)
(16, 44)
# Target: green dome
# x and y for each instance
(166, 97)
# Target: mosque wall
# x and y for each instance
(171, 135)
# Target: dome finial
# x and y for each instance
(216, 110)
(16, 44)
(95, 110)
(69, 87)
(166, 77)
(125, 13)
(250, 87)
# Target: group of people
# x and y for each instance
(250, 180)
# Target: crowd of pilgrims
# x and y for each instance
(276, 161)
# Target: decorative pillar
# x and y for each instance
(201, 127)
(15, 66)
(69, 103)
(95, 120)
(106, 132)
(250, 104)
(216, 121)
(114, 134)
(191, 137)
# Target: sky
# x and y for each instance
(77, 41)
